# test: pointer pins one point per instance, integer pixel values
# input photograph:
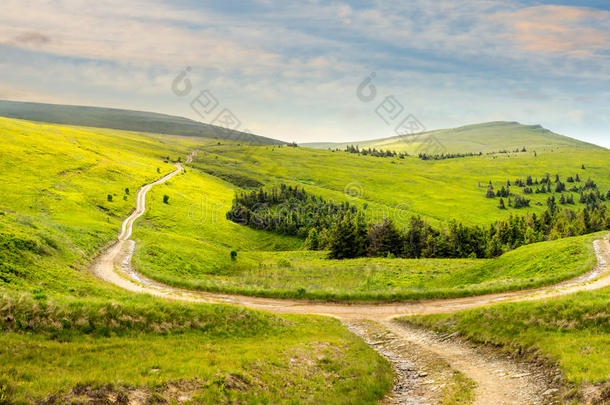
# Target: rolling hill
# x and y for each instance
(487, 137)
(127, 120)
(66, 190)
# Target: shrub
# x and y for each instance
(166, 199)
(109, 197)
(233, 255)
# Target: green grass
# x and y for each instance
(572, 332)
(487, 137)
(55, 216)
(187, 247)
(65, 332)
(53, 348)
(399, 188)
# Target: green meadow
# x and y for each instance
(398, 188)
(68, 337)
(187, 243)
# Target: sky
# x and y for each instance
(318, 70)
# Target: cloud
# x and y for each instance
(30, 38)
(565, 30)
(293, 67)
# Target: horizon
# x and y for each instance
(317, 142)
(304, 72)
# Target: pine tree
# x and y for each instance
(551, 203)
(348, 237)
(494, 247)
(490, 192)
(313, 241)
(502, 206)
(384, 239)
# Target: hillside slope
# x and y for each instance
(128, 120)
(487, 137)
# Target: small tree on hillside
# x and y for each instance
(109, 197)
(313, 241)
(502, 206)
(384, 238)
(348, 237)
(166, 199)
(490, 192)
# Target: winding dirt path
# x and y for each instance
(498, 380)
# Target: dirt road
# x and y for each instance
(498, 380)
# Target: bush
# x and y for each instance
(233, 255)
(109, 197)
(166, 199)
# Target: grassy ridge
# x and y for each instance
(487, 137)
(571, 331)
(127, 120)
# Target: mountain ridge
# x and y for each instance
(485, 137)
(122, 119)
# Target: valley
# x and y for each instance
(177, 246)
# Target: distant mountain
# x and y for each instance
(124, 120)
(488, 137)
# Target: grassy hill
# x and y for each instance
(66, 189)
(67, 337)
(124, 120)
(488, 137)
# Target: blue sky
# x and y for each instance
(290, 70)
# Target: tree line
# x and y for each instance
(423, 156)
(343, 230)
(375, 152)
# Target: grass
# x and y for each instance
(50, 349)
(572, 332)
(67, 336)
(487, 137)
(399, 188)
(55, 216)
(461, 392)
(187, 247)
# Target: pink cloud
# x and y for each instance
(573, 31)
